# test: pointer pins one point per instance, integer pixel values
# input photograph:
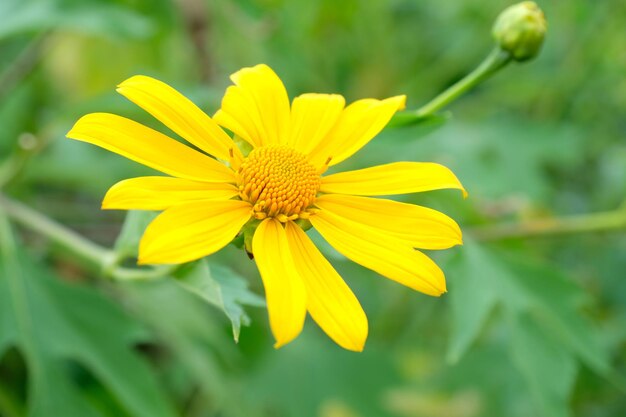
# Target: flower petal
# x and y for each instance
(179, 114)
(312, 117)
(191, 231)
(381, 253)
(284, 290)
(160, 193)
(417, 226)
(329, 300)
(357, 125)
(149, 147)
(394, 178)
(257, 107)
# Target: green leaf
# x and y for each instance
(521, 286)
(472, 296)
(548, 369)
(539, 301)
(184, 323)
(300, 379)
(555, 302)
(221, 287)
(52, 322)
(506, 147)
(235, 294)
(135, 223)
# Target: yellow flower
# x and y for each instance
(276, 188)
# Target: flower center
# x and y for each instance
(279, 182)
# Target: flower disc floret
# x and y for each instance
(279, 182)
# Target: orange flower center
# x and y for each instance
(279, 182)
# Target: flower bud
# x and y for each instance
(520, 30)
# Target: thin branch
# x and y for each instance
(495, 61)
(583, 223)
(74, 243)
(99, 258)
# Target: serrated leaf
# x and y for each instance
(223, 288)
(540, 301)
(219, 285)
(556, 301)
(523, 287)
(51, 322)
(235, 294)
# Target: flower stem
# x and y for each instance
(583, 223)
(496, 60)
(97, 257)
(86, 250)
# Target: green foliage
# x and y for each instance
(53, 324)
(222, 287)
(541, 308)
(528, 327)
(217, 284)
(99, 18)
(197, 353)
(548, 369)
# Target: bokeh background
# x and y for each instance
(530, 326)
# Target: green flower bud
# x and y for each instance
(520, 30)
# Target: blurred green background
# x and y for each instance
(530, 326)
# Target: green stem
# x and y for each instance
(74, 243)
(496, 60)
(138, 274)
(94, 255)
(583, 223)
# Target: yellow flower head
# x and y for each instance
(209, 197)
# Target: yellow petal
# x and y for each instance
(191, 231)
(417, 226)
(329, 300)
(257, 107)
(357, 125)
(312, 117)
(160, 193)
(285, 293)
(380, 253)
(149, 147)
(390, 179)
(249, 127)
(179, 114)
